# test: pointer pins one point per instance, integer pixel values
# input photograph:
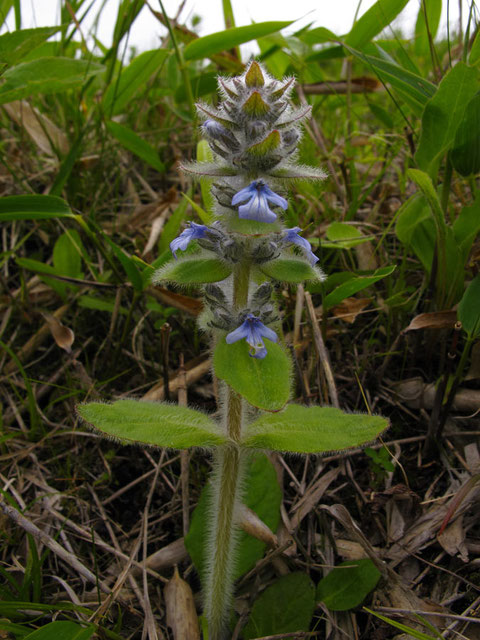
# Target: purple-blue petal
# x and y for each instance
(239, 333)
(259, 353)
(291, 235)
(253, 331)
(257, 209)
(183, 240)
(267, 333)
(274, 198)
(245, 194)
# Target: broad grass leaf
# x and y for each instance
(152, 423)
(348, 584)
(63, 629)
(137, 145)
(312, 430)
(285, 606)
(443, 113)
(67, 254)
(264, 383)
(128, 264)
(469, 309)
(474, 56)
(355, 284)
(415, 228)
(343, 236)
(132, 79)
(373, 21)
(418, 90)
(466, 227)
(101, 304)
(44, 76)
(204, 154)
(201, 85)
(290, 269)
(465, 154)
(320, 35)
(410, 631)
(433, 9)
(173, 225)
(32, 208)
(16, 45)
(262, 495)
(195, 269)
(224, 40)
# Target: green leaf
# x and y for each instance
(290, 269)
(137, 145)
(67, 254)
(373, 21)
(346, 586)
(196, 269)
(128, 264)
(443, 113)
(44, 76)
(414, 633)
(101, 304)
(465, 154)
(62, 629)
(415, 228)
(264, 383)
(205, 217)
(32, 208)
(204, 154)
(355, 284)
(466, 227)
(172, 228)
(424, 183)
(469, 309)
(154, 423)
(224, 40)
(474, 56)
(262, 495)
(433, 9)
(320, 35)
(312, 430)
(418, 90)
(285, 606)
(17, 44)
(132, 79)
(343, 236)
(36, 265)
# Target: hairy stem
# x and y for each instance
(227, 481)
(219, 587)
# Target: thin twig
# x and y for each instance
(322, 351)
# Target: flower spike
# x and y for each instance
(253, 331)
(257, 196)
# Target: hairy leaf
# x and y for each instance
(154, 423)
(264, 383)
(312, 430)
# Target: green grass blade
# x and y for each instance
(224, 40)
(33, 208)
(373, 21)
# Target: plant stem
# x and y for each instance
(227, 488)
(219, 587)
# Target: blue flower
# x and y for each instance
(257, 196)
(253, 331)
(291, 235)
(193, 232)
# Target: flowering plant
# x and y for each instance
(238, 260)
